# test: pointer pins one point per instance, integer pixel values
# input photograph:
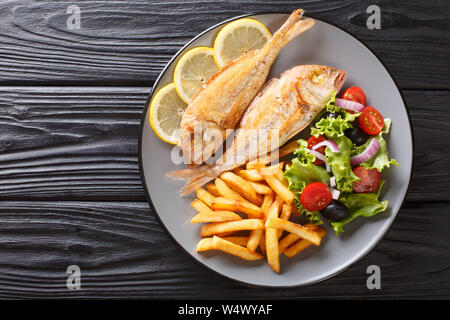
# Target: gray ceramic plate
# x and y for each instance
(322, 44)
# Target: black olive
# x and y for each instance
(332, 115)
(335, 211)
(357, 135)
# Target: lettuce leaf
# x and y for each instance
(360, 205)
(300, 173)
(334, 127)
(340, 164)
(381, 159)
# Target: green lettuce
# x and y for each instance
(381, 159)
(340, 164)
(360, 205)
(300, 173)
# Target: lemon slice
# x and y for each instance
(239, 37)
(166, 109)
(193, 70)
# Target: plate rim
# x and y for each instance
(172, 237)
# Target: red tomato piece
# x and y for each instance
(370, 180)
(315, 196)
(371, 121)
(355, 94)
(312, 142)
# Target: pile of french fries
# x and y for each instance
(254, 200)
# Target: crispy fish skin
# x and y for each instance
(220, 104)
(283, 108)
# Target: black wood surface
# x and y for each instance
(70, 107)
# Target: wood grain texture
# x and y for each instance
(80, 143)
(123, 253)
(129, 42)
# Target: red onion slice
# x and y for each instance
(320, 156)
(333, 181)
(335, 193)
(349, 105)
(329, 143)
(368, 153)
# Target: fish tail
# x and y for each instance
(196, 177)
(293, 27)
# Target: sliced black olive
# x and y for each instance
(357, 135)
(335, 211)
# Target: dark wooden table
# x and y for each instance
(70, 108)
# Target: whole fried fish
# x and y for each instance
(220, 104)
(283, 108)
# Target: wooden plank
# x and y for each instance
(123, 253)
(80, 143)
(129, 42)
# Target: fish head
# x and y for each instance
(319, 83)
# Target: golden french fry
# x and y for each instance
(234, 249)
(291, 227)
(205, 244)
(272, 238)
(302, 244)
(211, 188)
(226, 191)
(256, 235)
(216, 216)
(221, 227)
(201, 207)
(292, 238)
(252, 175)
(286, 212)
(260, 188)
(246, 207)
(241, 186)
(288, 148)
(242, 241)
(262, 243)
(205, 196)
(272, 249)
(279, 188)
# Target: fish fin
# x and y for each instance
(196, 177)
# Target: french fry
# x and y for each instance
(216, 216)
(205, 244)
(260, 188)
(252, 175)
(262, 244)
(291, 238)
(204, 196)
(291, 227)
(225, 191)
(234, 249)
(286, 212)
(279, 188)
(242, 241)
(250, 209)
(211, 188)
(240, 185)
(302, 244)
(256, 235)
(272, 238)
(201, 207)
(221, 227)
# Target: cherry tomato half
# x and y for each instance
(355, 94)
(312, 142)
(370, 180)
(371, 121)
(315, 196)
